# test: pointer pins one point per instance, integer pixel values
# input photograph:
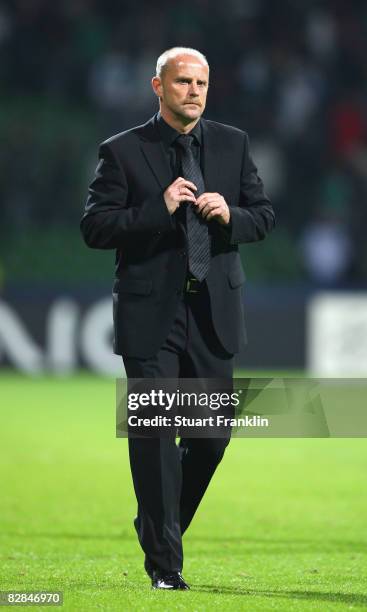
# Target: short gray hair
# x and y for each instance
(174, 52)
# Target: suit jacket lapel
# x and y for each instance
(153, 152)
(212, 157)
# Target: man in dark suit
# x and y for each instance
(175, 197)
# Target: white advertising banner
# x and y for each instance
(337, 334)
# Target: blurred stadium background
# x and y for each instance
(292, 73)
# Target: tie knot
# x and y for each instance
(185, 141)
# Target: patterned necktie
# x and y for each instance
(196, 226)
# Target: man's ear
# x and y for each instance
(157, 86)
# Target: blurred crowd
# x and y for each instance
(292, 73)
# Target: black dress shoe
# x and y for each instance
(169, 580)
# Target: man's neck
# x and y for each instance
(177, 124)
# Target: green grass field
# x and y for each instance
(282, 527)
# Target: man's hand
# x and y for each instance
(179, 191)
(213, 206)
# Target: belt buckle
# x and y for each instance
(190, 285)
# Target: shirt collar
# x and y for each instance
(169, 134)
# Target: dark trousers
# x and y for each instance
(170, 480)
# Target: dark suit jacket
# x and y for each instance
(126, 211)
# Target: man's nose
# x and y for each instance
(194, 89)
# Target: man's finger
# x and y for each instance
(181, 180)
(208, 194)
(214, 212)
(207, 201)
(202, 206)
(190, 185)
(186, 192)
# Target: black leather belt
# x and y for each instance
(192, 285)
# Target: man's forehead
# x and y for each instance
(187, 62)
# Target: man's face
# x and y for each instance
(183, 88)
